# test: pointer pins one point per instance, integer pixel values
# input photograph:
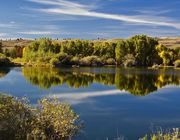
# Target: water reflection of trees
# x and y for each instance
(4, 72)
(136, 81)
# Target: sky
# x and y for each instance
(89, 19)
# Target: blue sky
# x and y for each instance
(88, 19)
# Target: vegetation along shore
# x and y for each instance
(139, 50)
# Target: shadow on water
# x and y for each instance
(4, 71)
(136, 81)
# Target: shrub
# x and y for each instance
(48, 121)
(2, 55)
(15, 118)
(91, 61)
(55, 120)
(110, 61)
(177, 63)
(129, 60)
(64, 58)
(75, 60)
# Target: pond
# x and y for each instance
(112, 102)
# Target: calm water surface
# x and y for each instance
(112, 102)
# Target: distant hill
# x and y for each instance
(9, 44)
(170, 42)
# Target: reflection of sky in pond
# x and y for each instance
(106, 110)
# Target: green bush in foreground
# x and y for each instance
(50, 120)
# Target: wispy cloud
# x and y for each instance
(5, 25)
(47, 30)
(64, 3)
(2, 34)
(10, 24)
(153, 11)
(38, 33)
(77, 9)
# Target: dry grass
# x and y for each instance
(9, 44)
(170, 42)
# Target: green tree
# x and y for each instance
(56, 47)
(97, 49)
(45, 44)
(1, 50)
(108, 50)
(87, 48)
(145, 49)
(78, 47)
(120, 51)
(165, 55)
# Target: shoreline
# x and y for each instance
(25, 64)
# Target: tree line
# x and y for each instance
(140, 50)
